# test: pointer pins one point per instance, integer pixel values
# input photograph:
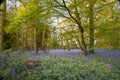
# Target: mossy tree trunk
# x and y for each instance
(35, 39)
(2, 23)
(91, 27)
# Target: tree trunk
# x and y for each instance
(2, 23)
(77, 15)
(77, 19)
(43, 39)
(1, 31)
(83, 44)
(35, 39)
(78, 41)
(91, 28)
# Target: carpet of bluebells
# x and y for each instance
(60, 65)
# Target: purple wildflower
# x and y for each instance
(12, 71)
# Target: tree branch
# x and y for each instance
(23, 3)
(69, 12)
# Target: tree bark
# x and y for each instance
(77, 19)
(43, 38)
(81, 30)
(35, 39)
(91, 28)
(2, 23)
(1, 31)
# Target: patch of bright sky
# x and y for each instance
(56, 21)
(11, 3)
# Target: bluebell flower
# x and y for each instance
(21, 75)
(12, 71)
(1, 69)
(86, 79)
(95, 77)
(68, 79)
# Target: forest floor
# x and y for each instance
(77, 52)
(60, 64)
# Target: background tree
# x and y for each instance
(87, 25)
(2, 23)
(30, 19)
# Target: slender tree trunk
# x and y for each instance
(83, 44)
(1, 31)
(91, 28)
(77, 15)
(35, 39)
(43, 39)
(77, 39)
(2, 23)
